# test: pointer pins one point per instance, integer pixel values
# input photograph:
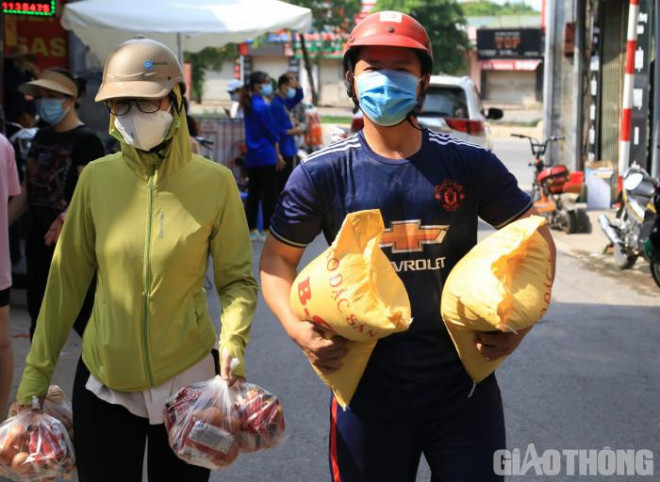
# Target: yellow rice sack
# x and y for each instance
(504, 283)
(352, 290)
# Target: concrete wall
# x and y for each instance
(272, 65)
(329, 79)
(332, 88)
(215, 86)
(475, 69)
(559, 111)
(511, 86)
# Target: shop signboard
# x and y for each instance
(498, 43)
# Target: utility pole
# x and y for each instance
(548, 68)
(579, 71)
(655, 146)
(308, 68)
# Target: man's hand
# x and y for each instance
(53, 233)
(323, 350)
(496, 344)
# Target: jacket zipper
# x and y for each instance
(146, 278)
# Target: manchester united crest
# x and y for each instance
(450, 195)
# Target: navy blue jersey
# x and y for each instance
(430, 203)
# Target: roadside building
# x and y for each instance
(281, 52)
(34, 28)
(585, 85)
(507, 63)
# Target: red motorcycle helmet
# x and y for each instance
(389, 29)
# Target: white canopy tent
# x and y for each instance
(189, 25)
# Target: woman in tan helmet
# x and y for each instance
(146, 219)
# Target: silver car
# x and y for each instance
(453, 106)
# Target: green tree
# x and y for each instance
(331, 15)
(445, 23)
(334, 16)
(211, 58)
(488, 8)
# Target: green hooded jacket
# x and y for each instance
(146, 223)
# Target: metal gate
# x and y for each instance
(613, 43)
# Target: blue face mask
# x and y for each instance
(291, 93)
(387, 96)
(51, 110)
(267, 90)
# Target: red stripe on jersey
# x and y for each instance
(336, 476)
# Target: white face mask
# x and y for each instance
(144, 131)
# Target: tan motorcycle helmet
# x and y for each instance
(140, 68)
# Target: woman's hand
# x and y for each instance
(226, 359)
(17, 407)
(53, 233)
(281, 163)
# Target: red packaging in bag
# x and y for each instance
(35, 446)
(261, 418)
(56, 405)
(208, 423)
(202, 424)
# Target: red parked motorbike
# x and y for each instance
(556, 191)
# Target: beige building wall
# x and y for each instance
(332, 88)
(512, 87)
(215, 86)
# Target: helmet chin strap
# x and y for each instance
(416, 111)
(412, 114)
(409, 119)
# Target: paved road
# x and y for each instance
(587, 376)
(516, 155)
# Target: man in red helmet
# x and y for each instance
(414, 397)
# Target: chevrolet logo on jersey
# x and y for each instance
(411, 236)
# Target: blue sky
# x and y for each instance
(534, 3)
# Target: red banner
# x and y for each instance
(43, 36)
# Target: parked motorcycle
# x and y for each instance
(652, 245)
(556, 191)
(636, 229)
